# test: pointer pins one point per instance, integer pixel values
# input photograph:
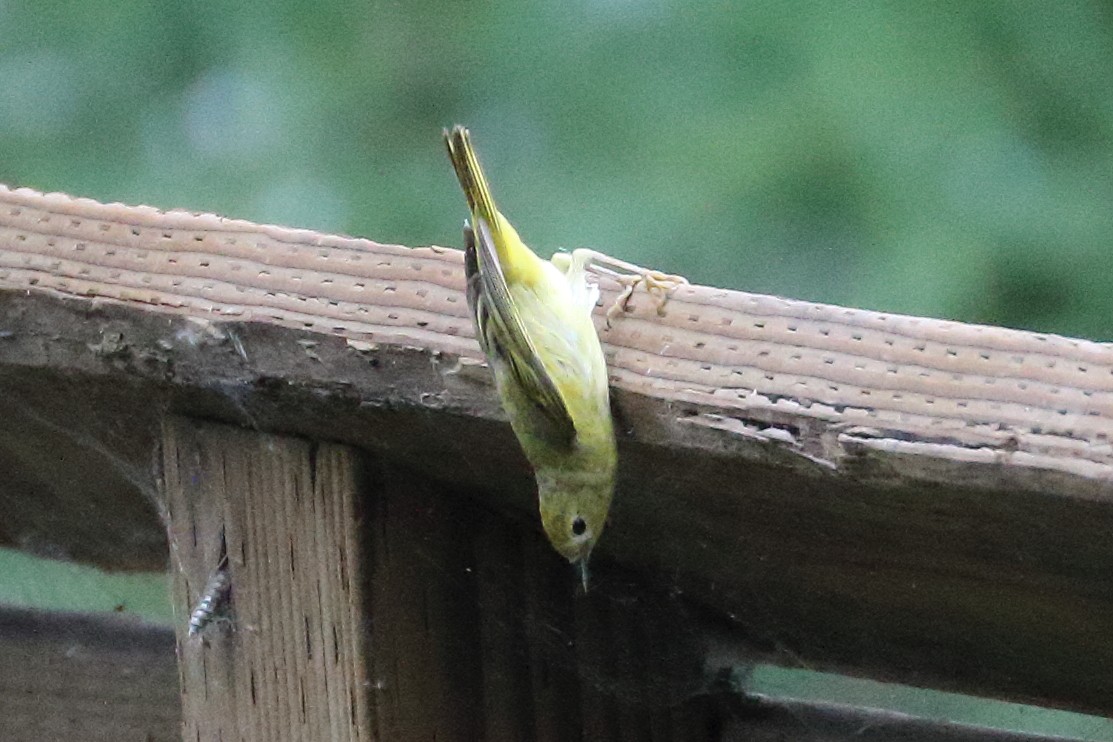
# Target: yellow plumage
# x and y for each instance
(533, 320)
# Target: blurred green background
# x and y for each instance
(953, 159)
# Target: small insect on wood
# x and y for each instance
(215, 598)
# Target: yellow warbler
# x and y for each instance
(533, 320)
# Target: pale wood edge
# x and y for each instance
(815, 388)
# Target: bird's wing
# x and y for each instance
(501, 331)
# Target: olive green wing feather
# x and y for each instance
(502, 334)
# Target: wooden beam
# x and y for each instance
(86, 677)
(103, 678)
(903, 398)
(904, 498)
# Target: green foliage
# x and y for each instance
(52, 585)
(947, 158)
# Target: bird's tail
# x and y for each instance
(471, 177)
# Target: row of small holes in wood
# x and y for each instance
(722, 345)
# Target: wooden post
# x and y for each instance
(426, 684)
(480, 629)
(285, 660)
(85, 677)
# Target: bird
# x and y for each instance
(533, 321)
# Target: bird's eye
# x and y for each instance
(579, 525)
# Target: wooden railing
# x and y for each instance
(896, 497)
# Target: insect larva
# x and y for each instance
(214, 599)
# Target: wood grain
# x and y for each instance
(93, 678)
(284, 659)
(897, 497)
(925, 399)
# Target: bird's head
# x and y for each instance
(574, 511)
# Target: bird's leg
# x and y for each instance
(657, 284)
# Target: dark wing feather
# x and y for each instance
(501, 332)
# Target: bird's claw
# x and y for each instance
(658, 285)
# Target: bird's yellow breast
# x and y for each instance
(567, 343)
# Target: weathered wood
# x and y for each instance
(904, 498)
(424, 650)
(287, 662)
(940, 400)
(68, 676)
(451, 642)
(86, 677)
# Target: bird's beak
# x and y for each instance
(581, 566)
